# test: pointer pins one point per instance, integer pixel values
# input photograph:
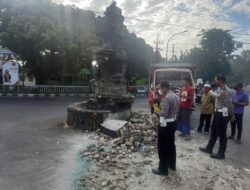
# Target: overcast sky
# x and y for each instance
(226, 14)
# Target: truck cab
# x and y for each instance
(174, 73)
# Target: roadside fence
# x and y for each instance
(46, 89)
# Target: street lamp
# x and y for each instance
(94, 67)
(22, 63)
(171, 37)
(94, 63)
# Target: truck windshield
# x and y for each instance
(173, 77)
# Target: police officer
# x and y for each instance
(222, 113)
(166, 131)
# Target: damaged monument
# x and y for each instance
(111, 100)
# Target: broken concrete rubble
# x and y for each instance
(117, 141)
(115, 128)
(126, 162)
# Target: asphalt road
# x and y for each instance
(37, 152)
(240, 153)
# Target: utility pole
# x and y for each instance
(173, 53)
(157, 42)
(157, 49)
(169, 41)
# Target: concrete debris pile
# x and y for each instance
(115, 174)
(125, 162)
(136, 135)
(113, 155)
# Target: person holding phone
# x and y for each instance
(166, 131)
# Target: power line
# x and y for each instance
(170, 24)
(162, 23)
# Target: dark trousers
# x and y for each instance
(166, 147)
(152, 110)
(218, 129)
(207, 119)
(238, 122)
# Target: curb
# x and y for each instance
(140, 95)
(55, 95)
(45, 95)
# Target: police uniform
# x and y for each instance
(223, 111)
(166, 132)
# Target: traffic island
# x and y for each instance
(90, 115)
(111, 101)
(80, 117)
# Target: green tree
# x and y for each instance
(241, 67)
(217, 45)
(214, 55)
(246, 56)
(218, 41)
(57, 41)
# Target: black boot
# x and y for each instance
(199, 130)
(206, 150)
(238, 141)
(159, 172)
(173, 168)
(219, 156)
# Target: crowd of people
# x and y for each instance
(218, 104)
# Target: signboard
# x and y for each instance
(10, 73)
(239, 45)
(1, 63)
(5, 55)
(2, 60)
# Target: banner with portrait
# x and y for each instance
(10, 73)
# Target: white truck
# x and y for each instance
(174, 73)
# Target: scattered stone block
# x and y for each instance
(115, 128)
